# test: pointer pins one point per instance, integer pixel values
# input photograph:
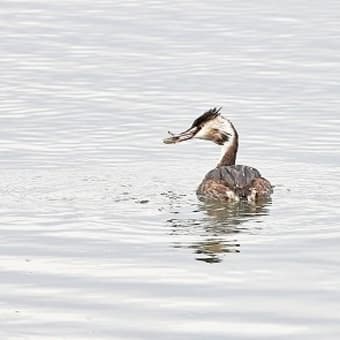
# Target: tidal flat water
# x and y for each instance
(102, 236)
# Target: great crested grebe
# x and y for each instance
(227, 182)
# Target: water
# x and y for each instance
(102, 236)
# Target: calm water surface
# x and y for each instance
(102, 236)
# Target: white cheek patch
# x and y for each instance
(219, 123)
(205, 131)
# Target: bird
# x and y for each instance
(227, 182)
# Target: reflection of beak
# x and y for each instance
(181, 137)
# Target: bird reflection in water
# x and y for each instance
(217, 227)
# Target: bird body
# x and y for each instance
(234, 182)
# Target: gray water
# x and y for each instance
(102, 236)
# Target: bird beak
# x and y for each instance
(181, 137)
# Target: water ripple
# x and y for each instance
(101, 233)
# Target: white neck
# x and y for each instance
(230, 147)
(226, 147)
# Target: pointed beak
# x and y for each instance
(180, 137)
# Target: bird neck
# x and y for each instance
(229, 149)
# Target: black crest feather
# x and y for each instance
(206, 116)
